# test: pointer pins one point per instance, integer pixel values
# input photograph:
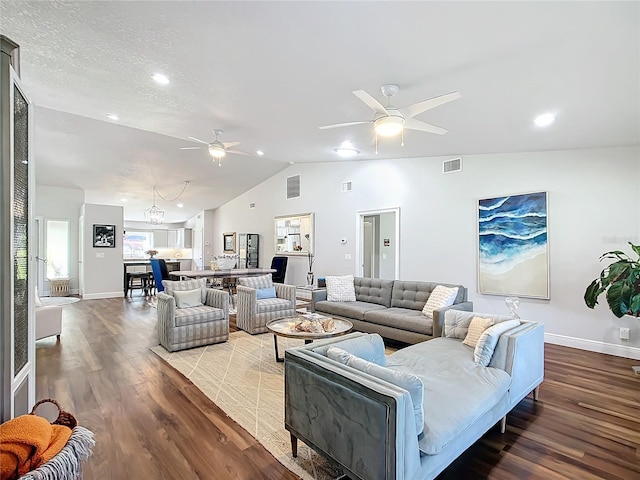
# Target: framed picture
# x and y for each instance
(104, 236)
(513, 245)
(229, 242)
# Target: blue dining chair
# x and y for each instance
(160, 272)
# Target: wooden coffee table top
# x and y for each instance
(284, 327)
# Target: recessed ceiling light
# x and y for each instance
(544, 120)
(160, 78)
(179, 205)
(112, 116)
(123, 200)
(259, 153)
(346, 150)
(291, 163)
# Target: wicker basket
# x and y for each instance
(59, 287)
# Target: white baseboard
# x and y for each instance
(96, 296)
(593, 346)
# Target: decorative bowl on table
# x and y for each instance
(225, 263)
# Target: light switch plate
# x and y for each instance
(99, 255)
(347, 256)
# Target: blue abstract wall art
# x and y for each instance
(513, 248)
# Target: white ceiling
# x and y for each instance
(269, 73)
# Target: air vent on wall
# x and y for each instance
(453, 165)
(252, 205)
(293, 187)
(347, 186)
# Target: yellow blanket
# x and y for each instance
(26, 442)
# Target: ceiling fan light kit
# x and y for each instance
(389, 126)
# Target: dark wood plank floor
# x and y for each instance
(151, 422)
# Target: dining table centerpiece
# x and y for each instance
(151, 253)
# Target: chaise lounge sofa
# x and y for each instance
(391, 308)
(374, 429)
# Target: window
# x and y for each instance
(135, 244)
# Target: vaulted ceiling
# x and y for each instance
(270, 73)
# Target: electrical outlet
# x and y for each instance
(624, 333)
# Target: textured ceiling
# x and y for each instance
(269, 73)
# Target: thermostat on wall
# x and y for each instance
(343, 241)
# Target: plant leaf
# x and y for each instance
(636, 248)
(592, 293)
(635, 305)
(619, 298)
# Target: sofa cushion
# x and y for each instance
(261, 281)
(456, 322)
(476, 328)
(405, 380)
(403, 318)
(412, 295)
(457, 392)
(340, 288)
(489, 339)
(355, 310)
(373, 290)
(171, 286)
(269, 305)
(368, 347)
(201, 314)
(188, 298)
(440, 297)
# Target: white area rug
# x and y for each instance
(242, 377)
(47, 301)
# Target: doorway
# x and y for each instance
(378, 245)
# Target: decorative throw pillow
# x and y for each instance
(340, 288)
(188, 298)
(489, 339)
(406, 381)
(440, 297)
(477, 326)
(262, 293)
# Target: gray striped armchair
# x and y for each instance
(200, 322)
(253, 313)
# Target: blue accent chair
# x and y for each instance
(160, 272)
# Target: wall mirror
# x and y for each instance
(294, 234)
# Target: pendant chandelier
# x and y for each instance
(154, 215)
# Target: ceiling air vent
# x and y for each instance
(453, 165)
(347, 186)
(293, 187)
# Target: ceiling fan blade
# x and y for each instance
(416, 108)
(239, 152)
(374, 104)
(413, 124)
(325, 127)
(230, 144)
(198, 140)
(191, 148)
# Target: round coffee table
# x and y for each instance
(283, 327)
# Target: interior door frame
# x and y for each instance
(360, 236)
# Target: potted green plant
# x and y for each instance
(621, 282)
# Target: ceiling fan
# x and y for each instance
(390, 120)
(217, 149)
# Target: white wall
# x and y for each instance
(102, 267)
(594, 207)
(55, 203)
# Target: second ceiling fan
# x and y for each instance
(217, 149)
(390, 120)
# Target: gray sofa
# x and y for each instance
(391, 308)
(368, 426)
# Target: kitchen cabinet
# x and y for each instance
(160, 238)
(173, 238)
